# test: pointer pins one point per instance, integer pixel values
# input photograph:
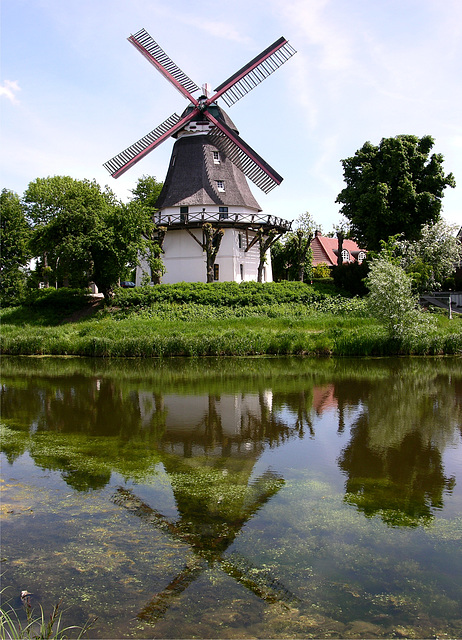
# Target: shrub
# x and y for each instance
(392, 301)
(350, 277)
(321, 270)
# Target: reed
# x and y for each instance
(37, 626)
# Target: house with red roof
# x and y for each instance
(326, 250)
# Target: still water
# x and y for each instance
(237, 498)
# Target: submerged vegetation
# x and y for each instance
(239, 497)
(216, 320)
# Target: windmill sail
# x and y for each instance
(243, 156)
(157, 57)
(130, 156)
(254, 72)
(222, 136)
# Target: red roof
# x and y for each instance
(325, 250)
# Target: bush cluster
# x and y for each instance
(226, 294)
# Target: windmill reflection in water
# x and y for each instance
(209, 519)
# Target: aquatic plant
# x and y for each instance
(39, 627)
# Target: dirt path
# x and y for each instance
(85, 312)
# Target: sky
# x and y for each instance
(74, 92)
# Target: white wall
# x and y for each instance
(185, 261)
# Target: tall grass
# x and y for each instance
(327, 325)
(40, 627)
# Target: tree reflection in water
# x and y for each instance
(393, 461)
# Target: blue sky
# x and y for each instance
(74, 92)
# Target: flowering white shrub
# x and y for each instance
(392, 301)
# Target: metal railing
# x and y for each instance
(197, 219)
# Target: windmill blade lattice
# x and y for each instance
(244, 157)
(130, 156)
(224, 138)
(157, 57)
(254, 72)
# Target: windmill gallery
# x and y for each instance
(207, 215)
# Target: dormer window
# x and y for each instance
(361, 256)
(220, 185)
(345, 256)
(216, 157)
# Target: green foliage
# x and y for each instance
(38, 627)
(394, 188)
(350, 277)
(292, 259)
(432, 258)
(14, 250)
(321, 270)
(221, 319)
(147, 191)
(231, 294)
(392, 300)
(83, 233)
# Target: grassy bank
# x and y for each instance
(212, 320)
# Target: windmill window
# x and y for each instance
(223, 213)
(216, 157)
(216, 272)
(220, 185)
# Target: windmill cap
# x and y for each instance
(216, 111)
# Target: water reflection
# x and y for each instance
(127, 421)
(221, 459)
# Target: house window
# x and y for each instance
(239, 240)
(345, 256)
(216, 272)
(361, 256)
(184, 214)
(220, 185)
(241, 270)
(223, 213)
(216, 157)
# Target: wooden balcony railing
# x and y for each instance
(230, 219)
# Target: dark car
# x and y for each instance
(126, 284)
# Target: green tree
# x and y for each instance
(392, 300)
(147, 191)
(292, 258)
(433, 257)
(146, 194)
(393, 188)
(14, 249)
(85, 233)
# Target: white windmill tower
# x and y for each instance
(206, 179)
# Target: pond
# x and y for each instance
(236, 498)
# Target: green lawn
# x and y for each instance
(306, 322)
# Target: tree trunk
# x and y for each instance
(340, 237)
(264, 246)
(211, 246)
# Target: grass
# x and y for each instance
(39, 627)
(214, 320)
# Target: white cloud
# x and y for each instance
(9, 89)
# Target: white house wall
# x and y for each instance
(185, 261)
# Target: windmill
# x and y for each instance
(206, 179)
